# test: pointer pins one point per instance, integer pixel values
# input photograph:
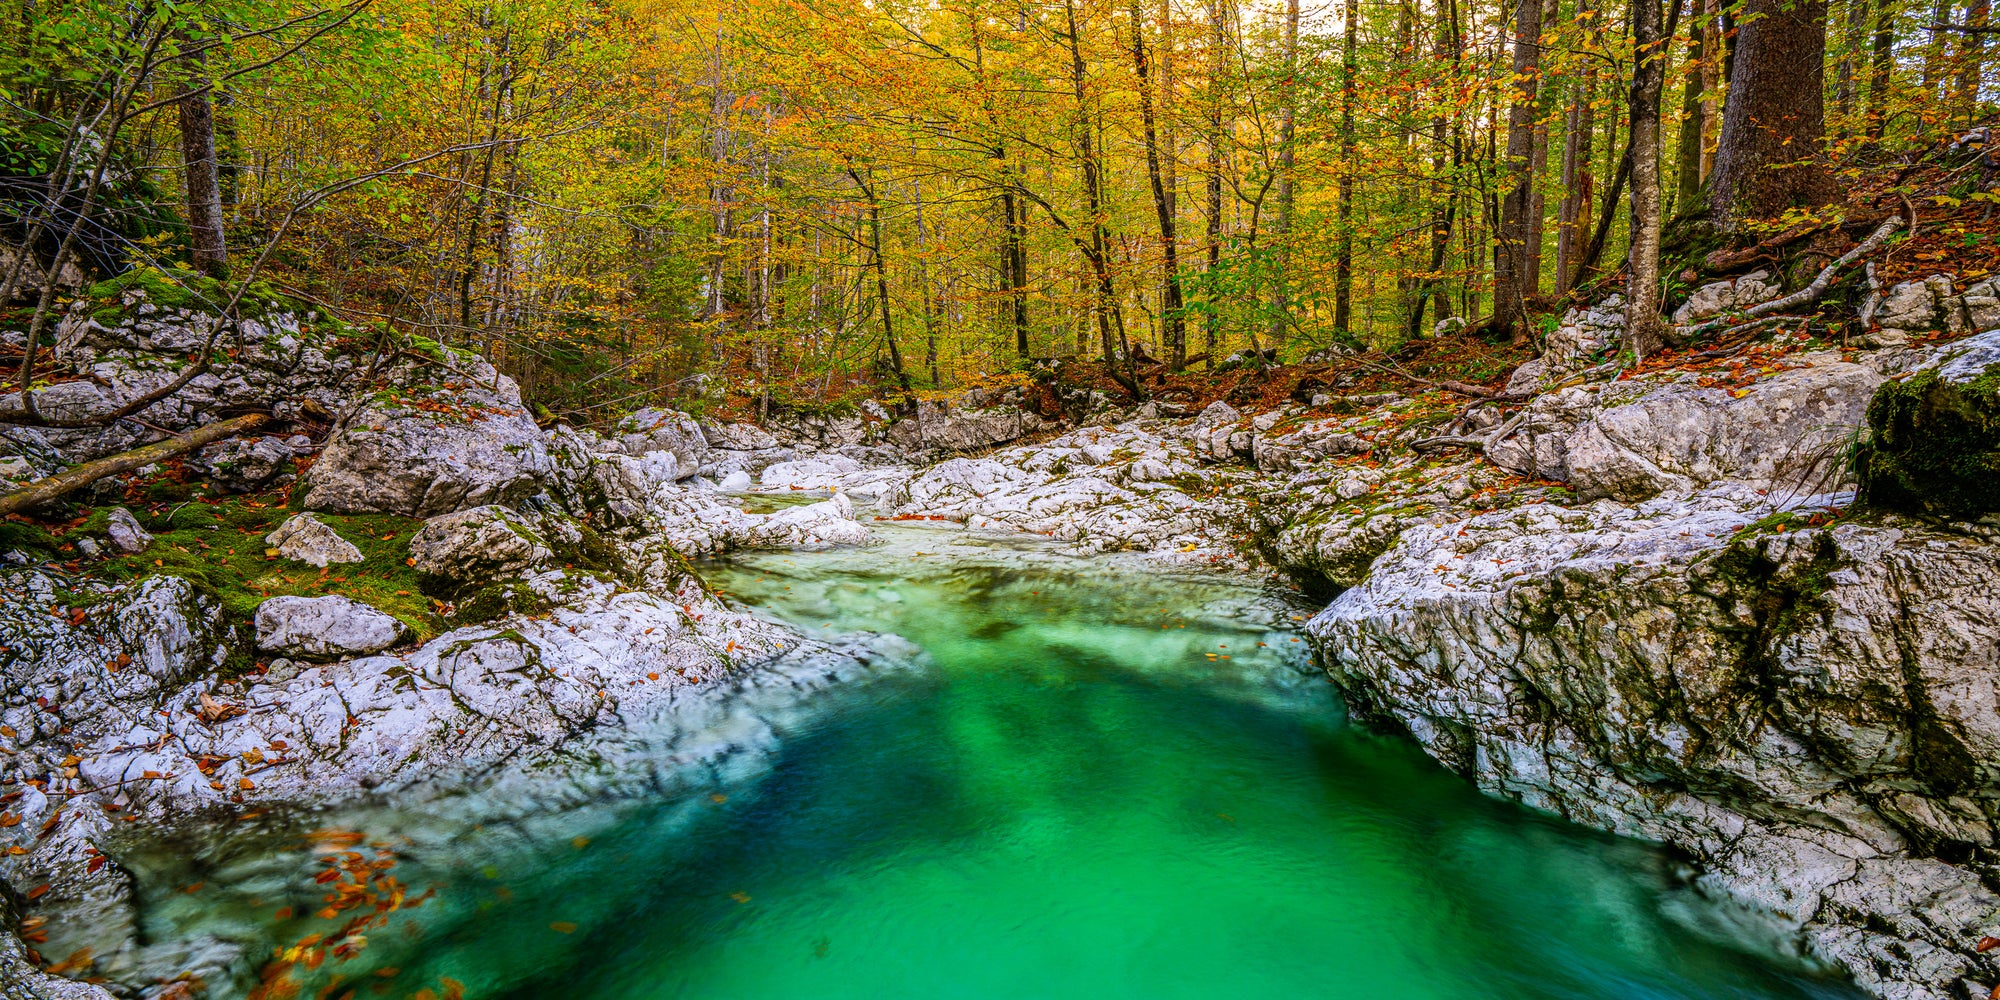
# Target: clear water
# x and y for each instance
(1112, 783)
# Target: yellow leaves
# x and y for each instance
(579, 842)
(563, 927)
(740, 897)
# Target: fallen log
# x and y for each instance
(43, 490)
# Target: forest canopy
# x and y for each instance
(623, 202)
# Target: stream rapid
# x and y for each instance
(1103, 780)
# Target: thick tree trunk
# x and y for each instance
(1768, 159)
(1104, 304)
(1642, 289)
(881, 277)
(1511, 274)
(62, 483)
(203, 174)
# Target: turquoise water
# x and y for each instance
(1110, 782)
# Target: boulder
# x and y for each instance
(243, 466)
(1907, 308)
(434, 451)
(656, 430)
(1786, 431)
(305, 538)
(1810, 714)
(126, 534)
(944, 426)
(1710, 301)
(478, 545)
(325, 628)
(737, 437)
(1933, 441)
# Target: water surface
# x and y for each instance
(1109, 782)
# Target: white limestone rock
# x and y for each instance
(481, 545)
(305, 538)
(325, 628)
(125, 532)
(435, 450)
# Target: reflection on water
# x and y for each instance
(1112, 782)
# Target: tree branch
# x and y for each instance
(43, 490)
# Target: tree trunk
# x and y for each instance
(1688, 169)
(1212, 316)
(1573, 216)
(1104, 304)
(1642, 289)
(1281, 227)
(1510, 258)
(1713, 56)
(1768, 159)
(1850, 44)
(1971, 56)
(1171, 304)
(202, 172)
(1881, 63)
(881, 277)
(43, 490)
(1343, 268)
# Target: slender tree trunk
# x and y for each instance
(1688, 170)
(200, 169)
(1444, 49)
(1281, 227)
(1171, 303)
(1343, 267)
(1105, 302)
(1511, 275)
(881, 276)
(1934, 58)
(1573, 218)
(1769, 155)
(1971, 58)
(1881, 64)
(1217, 52)
(1843, 82)
(1642, 290)
(1712, 45)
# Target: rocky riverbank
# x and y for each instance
(1651, 603)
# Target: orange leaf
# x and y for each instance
(563, 927)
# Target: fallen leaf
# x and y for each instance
(563, 927)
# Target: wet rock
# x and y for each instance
(481, 545)
(1674, 671)
(325, 628)
(305, 538)
(439, 449)
(125, 532)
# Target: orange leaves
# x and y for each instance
(563, 927)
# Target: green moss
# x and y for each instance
(177, 289)
(1933, 446)
(219, 546)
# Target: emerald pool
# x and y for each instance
(1106, 781)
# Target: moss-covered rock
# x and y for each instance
(1933, 444)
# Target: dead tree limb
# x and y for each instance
(1808, 294)
(43, 490)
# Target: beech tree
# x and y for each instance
(1768, 157)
